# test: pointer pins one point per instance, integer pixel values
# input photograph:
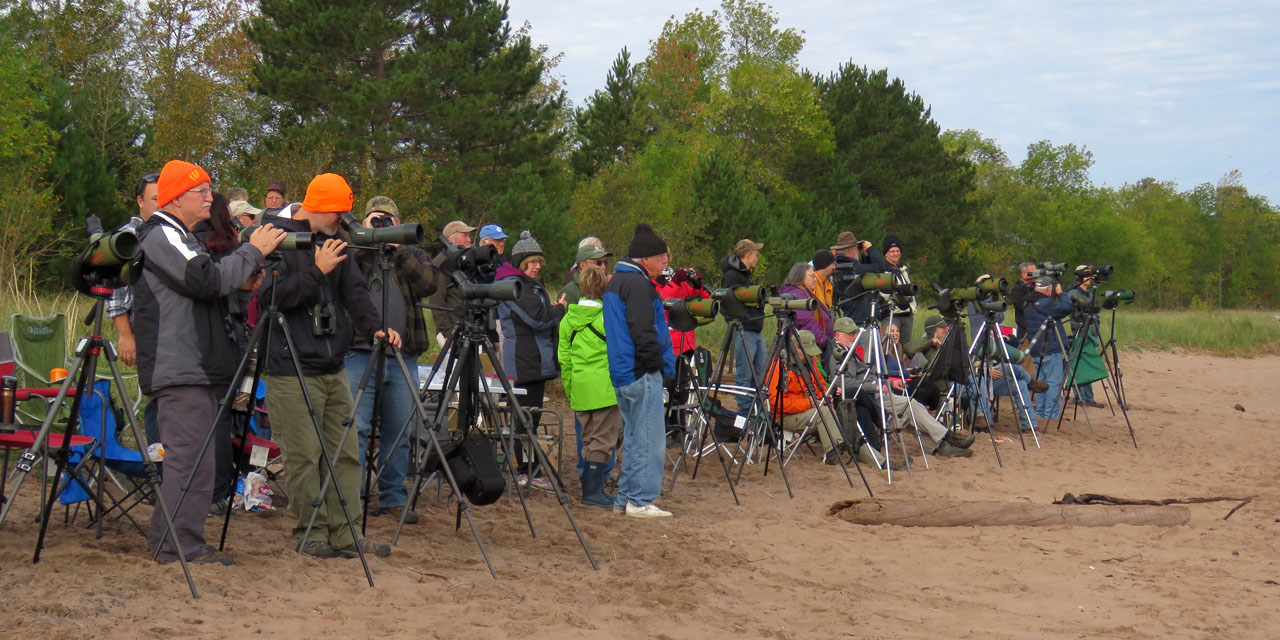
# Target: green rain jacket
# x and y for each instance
(584, 363)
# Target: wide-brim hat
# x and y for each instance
(845, 240)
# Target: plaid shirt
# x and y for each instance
(416, 277)
(121, 301)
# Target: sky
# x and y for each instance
(1175, 90)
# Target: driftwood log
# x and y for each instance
(943, 513)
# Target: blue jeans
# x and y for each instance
(754, 356)
(1001, 388)
(397, 411)
(1050, 372)
(613, 457)
(1084, 393)
(644, 440)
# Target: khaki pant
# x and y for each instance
(600, 429)
(304, 466)
(797, 421)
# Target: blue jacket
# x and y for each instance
(1039, 307)
(635, 327)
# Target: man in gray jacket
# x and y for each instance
(183, 346)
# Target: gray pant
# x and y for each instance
(185, 414)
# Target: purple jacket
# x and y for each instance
(818, 321)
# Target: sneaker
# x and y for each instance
(410, 517)
(947, 450)
(318, 549)
(647, 511)
(542, 484)
(1038, 386)
(831, 457)
(350, 551)
(960, 440)
(219, 508)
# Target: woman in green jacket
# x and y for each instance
(584, 371)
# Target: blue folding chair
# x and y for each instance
(120, 464)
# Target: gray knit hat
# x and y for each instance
(524, 249)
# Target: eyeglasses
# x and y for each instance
(201, 192)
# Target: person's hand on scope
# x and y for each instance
(330, 255)
(266, 238)
(392, 337)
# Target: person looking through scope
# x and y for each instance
(325, 301)
(1046, 307)
(178, 315)
(415, 278)
(904, 308)
(684, 284)
(446, 303)
(1084, 304)
(749, 353)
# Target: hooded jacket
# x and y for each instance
(584, 359)
(818, 321)
(734, 274)
(178, 311)
(636, 327)
(296, 287)
(528, 326)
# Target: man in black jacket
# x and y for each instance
(322, 295)
(749, 360)
(1018, 295)
(854, 257)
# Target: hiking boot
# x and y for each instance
(960, 440)
(410, 517)
(318, 549)
(647, 511)
(1095, 405)
(1038, 386)
(350, 551)
(947, 450)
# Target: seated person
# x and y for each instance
(859, 414)
(922, 352)
(901, 409)
(794, 409)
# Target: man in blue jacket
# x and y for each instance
(640, 353)
(1047, 303)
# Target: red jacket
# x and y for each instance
(681, 341)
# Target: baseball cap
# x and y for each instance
(745, 246)
(492, 231)
(457, 226)
(243, 208)
(845, 324)
(809, 343)
(591, 252)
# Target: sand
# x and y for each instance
(773, 567)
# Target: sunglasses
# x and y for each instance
(150, 178)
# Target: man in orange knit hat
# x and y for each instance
(182, 346)
(325, 302)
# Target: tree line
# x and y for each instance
(715, 134)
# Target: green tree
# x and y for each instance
(26, 148)
(608, 128)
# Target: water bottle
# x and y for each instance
(8, 399)
(244, 395)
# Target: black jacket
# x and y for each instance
(295, 286)
(734, 274)
(845, 283)
(1018, 295)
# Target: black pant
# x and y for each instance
(864, 410)
(531, 401)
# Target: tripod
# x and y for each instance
(82, 372)
(460, 360)
(1077, 347)
(261, 340)
(695, 435)
(993, 353)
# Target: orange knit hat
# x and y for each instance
(176, 178)
(328, 193)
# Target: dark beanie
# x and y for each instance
(823, 259)
(646, 243)
(891, 241)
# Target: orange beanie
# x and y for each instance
(328, 193)
(176, 178)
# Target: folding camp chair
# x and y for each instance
(257, 438)
(119, 464)
(39, 345)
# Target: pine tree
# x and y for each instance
(607, 129)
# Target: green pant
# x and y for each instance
(304, 465)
